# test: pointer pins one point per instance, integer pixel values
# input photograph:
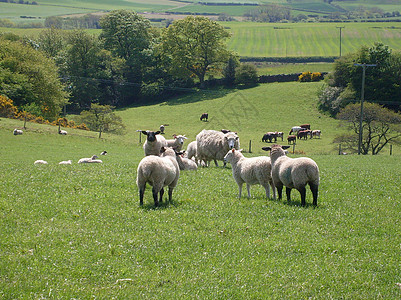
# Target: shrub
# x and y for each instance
(246, 74)
(7, 108)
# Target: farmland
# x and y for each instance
(78, 231)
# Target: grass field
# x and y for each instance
(308, 39)
(281, 68)
(78, 231)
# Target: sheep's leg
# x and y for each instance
(161, 195)
(274, 189)
(141, 193)
(170, 194)
(155, 194)
(240, 189)
(288, 192)
(302, 191)
(280, 191)
(248, 188)
(267, 189)
(314, 188)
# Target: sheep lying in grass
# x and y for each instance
(65, 162)
(93, 159)
(185, 163)
(154, 142)
(254, 170)
(158, 172)
(177, 142)
(40, 162)
(293, 173)
(62, 132)
(213, 145)
(17, 131)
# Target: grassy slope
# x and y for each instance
(77, 231)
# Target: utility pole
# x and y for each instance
(362, 98)
(340, 27)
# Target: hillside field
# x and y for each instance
(78, 231)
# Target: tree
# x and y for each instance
(246, 74)
(380, 126)
(28, 76)
(102, 118)
(51, 41)
(194, 46)
(229, 70)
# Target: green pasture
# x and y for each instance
(308, 39)
(232, 10)
(77, 231)
(284, 68)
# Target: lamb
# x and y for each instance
(254, 170)
(93, 159)
(40, 162)
(158, 172)
(62, 132)
(17, 131)
(177, 142)
(154, 142)
(213, 145)
(65, 162)
(293, 173)
(191, 150)
(185, 163)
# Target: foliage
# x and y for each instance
(7, 108)
(229, 70)
(269, 13)
(380, 127)
(29, 77)
(51, 41)
(309, 76)
(102, 118)
(246, 74)
(194, 46)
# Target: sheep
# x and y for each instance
(62, 132)
(295, 129)
(191, 150)
(158, 172)
(17, 131)
(40, 162)
(291, 138)
(254, 170)
(316, 133)
(154, 142)
(185, 163)
(65, 162)
(162, 128)
(177, 142)
(204, 116)
(213, 145)
(93, 159)
(293, 173)
(103, 153)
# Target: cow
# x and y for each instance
(291, 138)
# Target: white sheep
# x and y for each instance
(214, 145)
(158, 172)
(154, 142)
(17, 131)
(293, 173)
(93, 159)
(185, 163)
(40, 162)
(103, 153)
(177, 142)
(65, 162)
(253, 170)
(62, 132)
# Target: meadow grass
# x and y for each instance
(285, 68)
(78, 231)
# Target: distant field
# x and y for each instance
(277, 68)
(308, 39)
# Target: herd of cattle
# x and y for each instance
(297, 132)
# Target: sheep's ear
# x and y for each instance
(145, 132)
(162, 150)
(157, 132)
(267, 148)
(285, 147)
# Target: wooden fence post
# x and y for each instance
(250, 146)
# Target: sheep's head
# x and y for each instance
(151, 135)
(94, 157)
(232, 139)
(276, 149)
(180, 139)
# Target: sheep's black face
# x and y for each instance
(151, 136)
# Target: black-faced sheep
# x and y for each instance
(93, 159)
(214, 145)
(154, 142)
(204, 116)
(158, 172)
(17, 131)
(62, 132)
(254, 170)
(293, 173)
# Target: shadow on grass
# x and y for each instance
(294, 203)
(150, 205)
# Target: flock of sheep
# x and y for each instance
(164, 160)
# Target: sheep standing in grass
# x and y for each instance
(191, 150)
(93, 159)
(293, 173)
(177, 142)
(154, 142)
(158, 172)
(254, 170)
(17, 131)
(214, 145)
